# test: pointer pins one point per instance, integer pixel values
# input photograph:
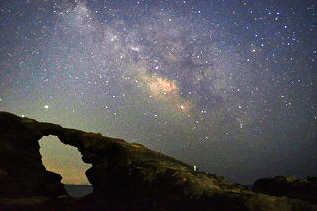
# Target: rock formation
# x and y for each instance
(124, 176)
(288, 186)
(22, 173)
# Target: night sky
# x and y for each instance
(228, 86)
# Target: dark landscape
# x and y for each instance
(127, 176)
(158, 105)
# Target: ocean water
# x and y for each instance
(78, 190)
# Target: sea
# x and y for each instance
(78, 190)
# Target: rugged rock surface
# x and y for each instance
(125, 176)
(288, 186)
(22, 173)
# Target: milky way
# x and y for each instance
(227, 86)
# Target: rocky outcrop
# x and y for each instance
(22, 173)
(125, 176)
(289, 186)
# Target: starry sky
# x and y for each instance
(228, 86)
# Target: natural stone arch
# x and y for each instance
(119, 169)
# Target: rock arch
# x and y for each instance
(21, 167)
(118, 168)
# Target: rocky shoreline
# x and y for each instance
(127, 176)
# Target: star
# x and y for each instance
(168, 74)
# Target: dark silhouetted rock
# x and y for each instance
(22, 172)
(288, 186)
(124, 176)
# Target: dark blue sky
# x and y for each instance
(228, 86)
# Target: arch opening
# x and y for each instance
(66, 161)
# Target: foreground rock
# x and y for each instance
(124, 176)
(289, 186)
(22, 173)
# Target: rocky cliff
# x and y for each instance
(125, 176)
